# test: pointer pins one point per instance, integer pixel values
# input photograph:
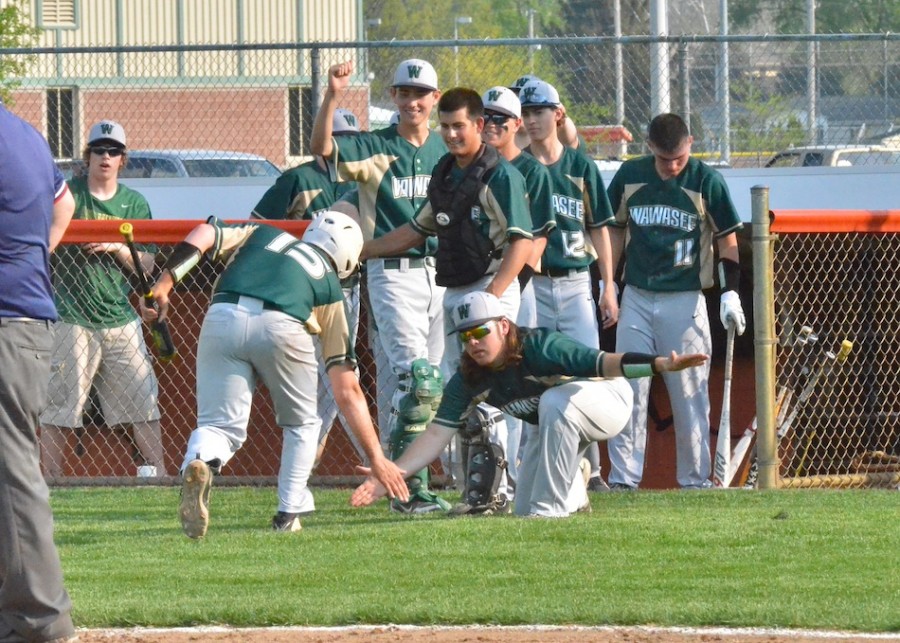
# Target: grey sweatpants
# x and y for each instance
(34, 605)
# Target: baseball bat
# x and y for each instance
(831, 359)
(159, 329)
(723, 441)
(746, 446)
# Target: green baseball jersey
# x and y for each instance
(502, 209)
(306, 287)
(540, 193)
(549, 358)
(299, 193)
(91, 290)
(579, 203)
(670, 225)
(393, 176)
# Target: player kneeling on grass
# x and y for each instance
(574, 395)
(273, 296)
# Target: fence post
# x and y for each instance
(315, 77)
(764, 339)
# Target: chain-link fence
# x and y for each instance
(746, 97)
(838, 350)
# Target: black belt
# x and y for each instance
(563, 272)
(234, 298)
(396, 263)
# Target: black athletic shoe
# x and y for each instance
(283, 521)
(596, 484)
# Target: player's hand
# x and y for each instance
(731, 312)
(676, 362)
(103, 248)
(339, 76)
(609, 306)
(368, 492)
(391, 478)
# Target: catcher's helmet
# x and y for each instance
(340, 237)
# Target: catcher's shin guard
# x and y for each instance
(422, 390)
(485, 464)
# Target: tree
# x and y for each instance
(16, 31)
(832, 16)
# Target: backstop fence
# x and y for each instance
(827, 346)
(745, 97)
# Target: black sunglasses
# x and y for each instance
(100, 150)
(496, 119)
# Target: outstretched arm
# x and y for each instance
(422, 452)
(633, 365)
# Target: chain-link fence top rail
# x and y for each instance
(836, 280)
(262, 98)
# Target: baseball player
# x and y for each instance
(260, 327)
(573, 393)
(392, 168)
(304, 191)
(301, 193)
(99, 340)
(566, 131)
(478, 211)
(502, 123)
(669, 209)
(562, 288)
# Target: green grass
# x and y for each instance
(804, 559)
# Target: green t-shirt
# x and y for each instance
(92, 290)
(579, 203)
(671, 224)
(392, 175)
(549, 358)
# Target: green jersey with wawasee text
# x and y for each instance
(549, 358)
(540, 193)
(91, 290)
(579, 203)
(392, 175)
(670, 225)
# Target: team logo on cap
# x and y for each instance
(463, 311)
(350, 119)
(493, 96)
(106, 128)
(413, 71)
(528, 94)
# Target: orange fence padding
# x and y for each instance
(825, 221)
(149, 231)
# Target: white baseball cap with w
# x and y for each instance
(415, 72)
(503, 101)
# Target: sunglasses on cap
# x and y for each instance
(496, 119)
(100, 150)
(479, 332)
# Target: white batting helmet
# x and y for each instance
(339, 237)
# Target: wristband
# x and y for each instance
(182, 260)
(729, 274)
(638, 365)
(524, 276)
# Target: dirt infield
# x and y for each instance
(403, 634)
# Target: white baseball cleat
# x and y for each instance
(194, 509)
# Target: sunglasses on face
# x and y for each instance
(479, 332)
(497, 119)
(100, 150)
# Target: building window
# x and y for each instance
(58, 14)
(300, 120)
(61, 122)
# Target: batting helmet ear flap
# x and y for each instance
(339, 237)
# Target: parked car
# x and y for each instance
(168, 164)
(836, 156)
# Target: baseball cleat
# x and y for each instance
(194, 509)
(596, 484)
(417, 506)
(283, 521)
